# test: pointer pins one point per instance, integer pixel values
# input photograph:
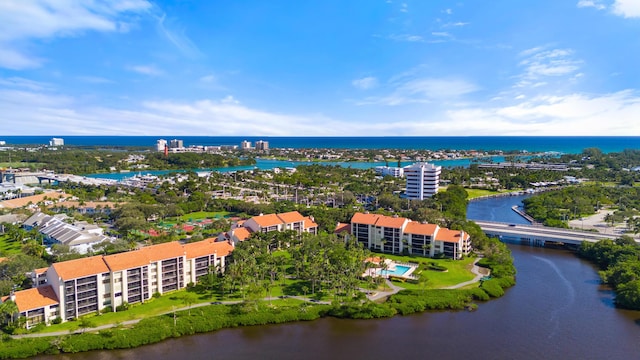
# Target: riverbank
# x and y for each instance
(207, 317)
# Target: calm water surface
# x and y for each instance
(557, 310)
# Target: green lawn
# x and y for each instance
(8, 246)
(457, 271)
(15, 165)
(154, 307)
(474, 193)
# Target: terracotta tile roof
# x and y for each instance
(447, 235)
(35, 298)
(241, 233)
(417, 228)
(126, 260)
(73, 269)
(144, 256)
(222, 248)
(200, 248)
(368, 219)
(41, 271)
(391, 222)
(267, 220)
(163, 251)
(342, 227)
(291, 217)
(309, 223)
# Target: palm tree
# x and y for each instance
(9, 309)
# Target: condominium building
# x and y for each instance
(56, 142)
(396, 172)
(78, 287)
(423, 180)
(262, 145)
(176, 144)
(161, 144)
(292, 220)
(245, 145)
(398, 235)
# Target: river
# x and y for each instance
(557, 310)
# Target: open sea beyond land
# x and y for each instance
(561, 144)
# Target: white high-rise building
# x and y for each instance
(161, 144)
(422, 180)
(56, 142)
(245, 145)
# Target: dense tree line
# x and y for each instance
(555, 208)
(619, 262)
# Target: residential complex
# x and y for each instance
(80, 236)
(398, 235)
(396, 172)
(292, 220)
(262, 145)
(423, 180)
(78, 287)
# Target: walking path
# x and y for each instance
(480, 273)
(373, 296)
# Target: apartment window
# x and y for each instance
(118, 294)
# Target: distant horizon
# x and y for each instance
(562, 144)
(279, 68)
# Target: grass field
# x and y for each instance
(475, 193)
(457, 271)
(16, 165)
(8, 246)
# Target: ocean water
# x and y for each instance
(562, 144)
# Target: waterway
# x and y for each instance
(270, 164)
(557, 310)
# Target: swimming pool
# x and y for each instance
(398, 271)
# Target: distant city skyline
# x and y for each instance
(320, 68)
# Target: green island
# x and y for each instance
(280, 277)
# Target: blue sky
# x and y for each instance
(320, 68)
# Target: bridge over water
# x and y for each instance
(538, 235)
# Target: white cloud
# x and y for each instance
(422, 90)
(404, 8)
(572, 114)
(95, 79)
(14, 60)
(22, 21)
(406, 37)
(540, 63)
(624, 8)
(441, 34)
(591, 3)
(22, 83)
(208, 79)
(456, 24)
(150, 70)
(627, 8)
(365, 83)
(43, 113)
(177, 36)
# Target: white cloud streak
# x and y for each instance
(149, 70)
(23, 21)
(365, 83)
